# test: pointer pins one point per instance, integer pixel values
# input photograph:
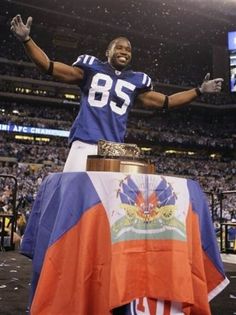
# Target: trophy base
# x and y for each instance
(119, 164)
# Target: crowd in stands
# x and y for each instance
(214, 176)
(180, 134)
(164, 67)
(37, 115)
(54, 152)
(180, 128)
(167, 81)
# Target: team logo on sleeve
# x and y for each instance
(149, 213)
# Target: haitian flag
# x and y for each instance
(105, 243)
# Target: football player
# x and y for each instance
(108, 92)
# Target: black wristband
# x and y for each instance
(50, 68)
(26, 41)
(198, 92)
(166, 104)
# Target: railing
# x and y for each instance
(228, 238)
(227, 243)
(11, 216)
(210, 196)
(226, 229)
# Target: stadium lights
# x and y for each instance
(180, 152)
(23, 90)
(42, 139)
(146, 149)
(18, 137)
(28, 138)
(16, 112)
(213, 155)
(70, 96)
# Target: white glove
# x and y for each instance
(19, 29)
(211, 86)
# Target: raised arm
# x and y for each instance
(155, 99)
(58, 70)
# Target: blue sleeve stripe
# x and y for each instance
(77, 60)
(91, 60)
(149, 82)
(146, 80)
(84, 59)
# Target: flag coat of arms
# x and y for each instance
(112, 243)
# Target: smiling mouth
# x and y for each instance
(122, 59)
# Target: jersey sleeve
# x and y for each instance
(145, 83)
(88, 64)
(85, 62)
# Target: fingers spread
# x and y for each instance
(207, 77)
(14, 21)
(219, 80)
(18, 19)
(29, 22)
(218, 85)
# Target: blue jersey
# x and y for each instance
(107, 96)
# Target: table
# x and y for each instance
(100, 240)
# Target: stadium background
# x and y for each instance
(175, 42)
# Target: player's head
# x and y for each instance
(119, 52)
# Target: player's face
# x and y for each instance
(119, 55)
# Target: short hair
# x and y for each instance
(115, 40)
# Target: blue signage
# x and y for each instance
(232, 40)
(34, 130)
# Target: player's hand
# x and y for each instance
(211, 86)
(19, 29)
